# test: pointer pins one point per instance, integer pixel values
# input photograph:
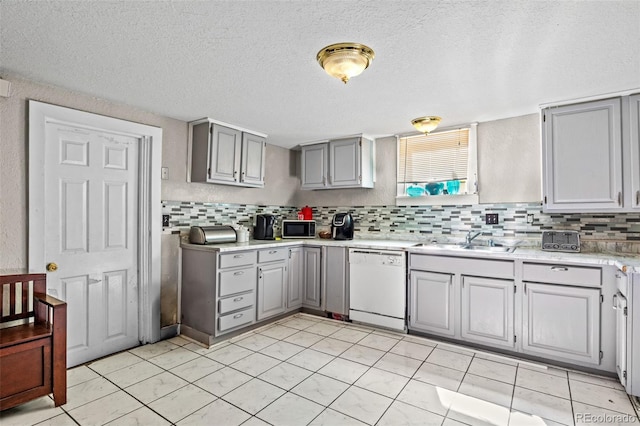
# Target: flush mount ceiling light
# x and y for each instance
(345, 60)
(426, 124)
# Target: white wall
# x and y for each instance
(280, 179)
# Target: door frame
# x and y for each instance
(149, 200)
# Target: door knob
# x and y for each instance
(52, 267)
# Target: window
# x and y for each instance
(439, 168)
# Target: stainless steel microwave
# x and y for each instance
(298, 228)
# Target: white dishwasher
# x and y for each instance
(378, 288)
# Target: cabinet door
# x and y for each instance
(253, 154)
(296, 278)
(335, 280)
(272, 281)
(634, 114)
(431, 303)
(311, 266)
(620, 305)
(224, 154)
(487, 311)
(344, 162)
(582, 157)
(314, 166)
(561, 322)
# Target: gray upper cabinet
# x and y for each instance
(582, 157)
(253, 156)
(314, 166)
(226, 155)
(340, 163)
(591, 159)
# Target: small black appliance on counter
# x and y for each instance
(264, 227)
(342, 226)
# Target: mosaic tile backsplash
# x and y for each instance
(426, 223)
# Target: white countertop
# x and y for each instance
(625, 262)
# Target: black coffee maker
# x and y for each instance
(264, 227)
(342, 226)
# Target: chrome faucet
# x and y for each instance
(470, 237)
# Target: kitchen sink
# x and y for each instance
(465, 247)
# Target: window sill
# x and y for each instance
(437, 200)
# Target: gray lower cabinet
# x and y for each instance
(295, 284)
(431, 305)
(311, 261)
(272, 282)
(335, 280)
(272, 289)
(488, 311)
(561, 321)
(218, 292)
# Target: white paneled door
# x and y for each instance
(91, 193)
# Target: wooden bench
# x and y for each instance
(33, 341)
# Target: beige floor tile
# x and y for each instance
(29, 413)
(290, 410)
(141, 416)
(105, 409)
(181, 403)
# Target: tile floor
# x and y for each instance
(305, 370)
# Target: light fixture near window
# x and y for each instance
(345, 60)
(426, 124)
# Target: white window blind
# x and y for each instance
(438, 156)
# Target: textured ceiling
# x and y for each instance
(252, 63)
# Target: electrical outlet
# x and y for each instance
(165, 220)
(530, 218)
(164, 173)
(491, 219)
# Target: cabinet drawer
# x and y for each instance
(237, 281)
(273, 255)
(237, 302)
(230, 321)
(230, 260)
(463, 265)
(562, 274)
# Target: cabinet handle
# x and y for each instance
(273, 251)
(237, 299)
(619, 198)
(236, 316)
(615, 301)
(637, 197)
(238, 273)
(238, 256)
(559, 269)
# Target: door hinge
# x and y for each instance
(545, 199)
(514, 289)
(601, 298)
(544, 117)
(601, 354)
(211, 129)
(624, 311)
(289, 253)
(515, 338)
(624, 374)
